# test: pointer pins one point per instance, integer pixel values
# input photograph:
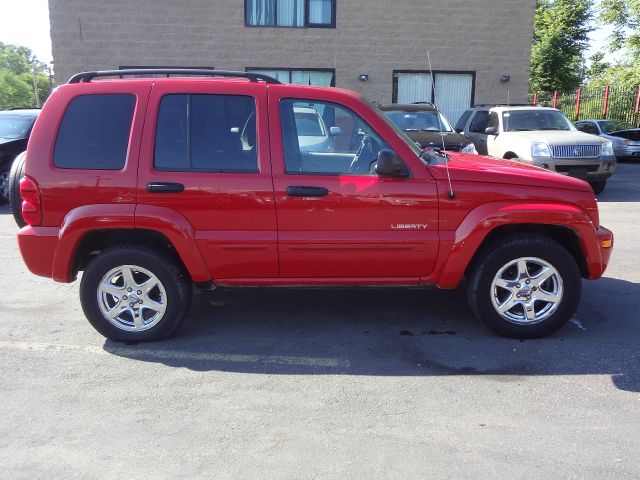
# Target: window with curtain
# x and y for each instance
(317, 78)
(452, 91)
(290, 13)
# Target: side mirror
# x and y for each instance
(335, 131)
(491, 130)
(389, 165)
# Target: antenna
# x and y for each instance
(450, 193)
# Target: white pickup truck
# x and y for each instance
(539, 136)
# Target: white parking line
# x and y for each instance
(176, 354)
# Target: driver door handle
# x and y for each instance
(304, 191)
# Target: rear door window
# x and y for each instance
(95, 131)
(208, 133)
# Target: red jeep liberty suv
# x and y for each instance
(151, 185)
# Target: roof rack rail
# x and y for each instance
(422, 103)
(503, 105)
(84, 77)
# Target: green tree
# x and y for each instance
(624, 17)
(560, 40)
(19, 70)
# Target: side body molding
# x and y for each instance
(475, 227)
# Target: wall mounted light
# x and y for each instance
(364, 77)
(505, 78)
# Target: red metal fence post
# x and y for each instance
(535, 99)
(605, 105)
(578, 96)
(555, 98)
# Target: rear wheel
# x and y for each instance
(524, 286)
(133, 293)
(13, 194)
(598, 187)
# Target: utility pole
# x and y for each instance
(35, 85)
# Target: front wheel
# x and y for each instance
(133, 293)
(598, 187)
(525, 286)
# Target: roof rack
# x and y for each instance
(503, 105)
(88, 76)
(423, 103)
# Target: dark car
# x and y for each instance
(15, 128)
(426, 126)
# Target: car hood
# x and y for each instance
(427, 139)
(629, 134)
(558, 137)
(479, 168)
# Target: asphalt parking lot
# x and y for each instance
(321, 383)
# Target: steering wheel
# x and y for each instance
(357, 163)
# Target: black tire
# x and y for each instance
(500, 253)
(598, 187)
(15, 200)
(173, 278)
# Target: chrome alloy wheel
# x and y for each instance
(526, 290)
(132, 298)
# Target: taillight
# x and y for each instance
(31, 207)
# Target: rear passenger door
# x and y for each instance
(206, 157)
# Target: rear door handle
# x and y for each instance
(164, 187)
(302, 191)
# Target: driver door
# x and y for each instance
(337, 219)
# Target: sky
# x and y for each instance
(26, 23)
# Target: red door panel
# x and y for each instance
(365, 226)
(232, 214)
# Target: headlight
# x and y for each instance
(471, 148)
(607, 148)
(540, 149)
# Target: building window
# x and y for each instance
(290, 13)
(316, 77)
(452, 91)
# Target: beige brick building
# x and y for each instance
(376, 47)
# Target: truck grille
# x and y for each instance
(575, 151)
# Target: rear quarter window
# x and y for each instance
(94, 133)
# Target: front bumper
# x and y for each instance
(628, 151)
(591, 169)
(597, 266)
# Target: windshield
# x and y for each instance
(385, 119)
(425, 121)
(308, 124)
(526, 120)
(14, 127)
(609, 126)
